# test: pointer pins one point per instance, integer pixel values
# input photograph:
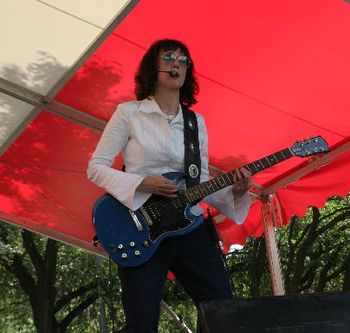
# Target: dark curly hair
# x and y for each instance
(146, 76)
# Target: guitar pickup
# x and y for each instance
(146, 216)
(137, 223)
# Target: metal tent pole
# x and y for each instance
(270, 222)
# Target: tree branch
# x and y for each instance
(334, 212)
(76, 311)
(25, 278)
(50, 262)
(301, 253)
(333, 222)
(29, 245)
(74, 294)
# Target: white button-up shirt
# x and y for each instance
(151, 145)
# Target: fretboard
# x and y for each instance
(200, 191)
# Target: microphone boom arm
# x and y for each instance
(173, 74)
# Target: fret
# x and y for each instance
(266, 164)
(204, 189)
(248, 167)
(289, 153)
(255, 169)
(201, 191)
(194, 193)
(215, 183)
(198, 192)
(282, 155)
(219, 182)
(189, 196)
(258, 165)
(212, 185)
(286, 153)
(222, 181)
(229, 182)
(272, 159)
(230, 174)
(275, 157)
(209, 187)
(279, 156)
(185, 196)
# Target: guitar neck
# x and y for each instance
(198, 192)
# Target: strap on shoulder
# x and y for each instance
(192, 153)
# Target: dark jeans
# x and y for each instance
(198, 266)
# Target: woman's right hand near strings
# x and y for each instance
(158, 185)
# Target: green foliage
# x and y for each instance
(15, 314)
(74, 269)
(249, 270)
(314, 253)
(315, 249)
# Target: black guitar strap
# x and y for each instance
(192, 153)
(193, 169)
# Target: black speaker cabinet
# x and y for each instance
(311, 313)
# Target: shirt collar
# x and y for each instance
(149, 105)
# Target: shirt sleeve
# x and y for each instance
(236, 209)
(120, 184)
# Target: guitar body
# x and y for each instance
(131, 237)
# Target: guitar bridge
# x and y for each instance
(137, 223)
(146, 216)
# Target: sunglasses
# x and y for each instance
(170, 57)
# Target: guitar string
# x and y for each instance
(182, 200)
(167, 201)
(193, 191)
(256, 164)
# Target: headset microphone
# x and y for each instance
(172, 73)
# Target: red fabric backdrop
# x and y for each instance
(270, 73)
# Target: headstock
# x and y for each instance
(313, 146)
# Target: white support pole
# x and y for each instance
(271, 248)
(182, 326)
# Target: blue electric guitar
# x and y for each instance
(131, 237)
